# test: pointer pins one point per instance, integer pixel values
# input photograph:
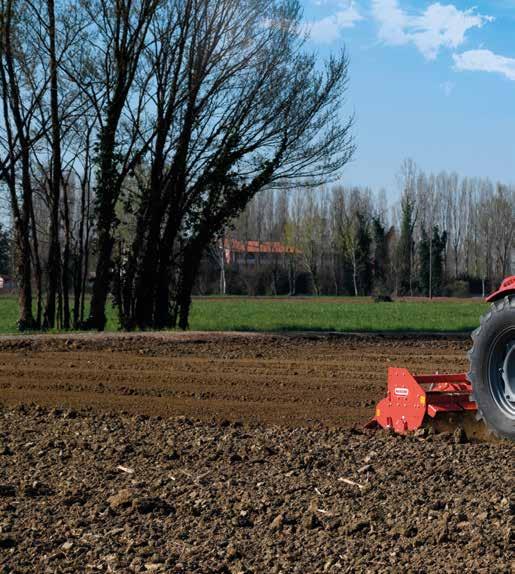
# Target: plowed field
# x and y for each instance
(241, 478)
(291, 380)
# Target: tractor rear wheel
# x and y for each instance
(492, 368)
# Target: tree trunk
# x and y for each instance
(38, 273)
(12, 104)
(431, 265)
(149, 268)
(189, 271)
(79, 262)
(86, 259)
(107, 195)
(66, 262)
(354, 275)
(291, 277)
(24, 274)
(153, 277)
(223, 283)
(97, 316)
(162, 316)
(53, 271)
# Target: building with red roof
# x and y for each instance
(250, 252)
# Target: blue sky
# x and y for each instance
(430, 81)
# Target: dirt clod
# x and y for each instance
(7, 490)
(277, 522)
(460, 436)
(122, 499)
(6, 542)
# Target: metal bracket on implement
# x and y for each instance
(411, 398)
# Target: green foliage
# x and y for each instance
(457, 288)
(380, 263)
(380, 259)
(363, 246)
(4, 251)
(431, 254)
(423, 254)
(406, 246)
(438, 249)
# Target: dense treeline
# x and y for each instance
(445, 236)
(133, 131)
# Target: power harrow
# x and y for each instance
(485, 393)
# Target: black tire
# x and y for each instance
(493, 352)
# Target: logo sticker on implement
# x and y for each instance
(401, 391)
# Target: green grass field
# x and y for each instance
(310, 314)
(319, 315)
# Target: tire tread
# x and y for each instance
(496, 307)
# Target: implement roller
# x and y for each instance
(446, 401)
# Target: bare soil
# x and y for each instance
(235, 454)
(292, 380)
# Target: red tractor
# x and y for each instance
(487, 391)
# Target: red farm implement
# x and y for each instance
(486, 392)
(413, 401)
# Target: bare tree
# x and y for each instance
(120, 37)
(21, 96)
(311, 236)
(248, 109)
(503, 229)
(54, 267)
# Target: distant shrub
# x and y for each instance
(304, 284)
(457, 288)
(382, 299)
(381, 294)
(236, 284)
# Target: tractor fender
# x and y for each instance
(507, 288)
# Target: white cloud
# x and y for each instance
(485, 61)
(392, 21)
(439, 26)
(328, 29)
